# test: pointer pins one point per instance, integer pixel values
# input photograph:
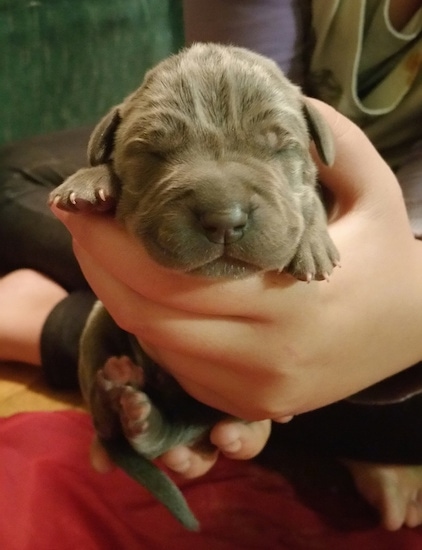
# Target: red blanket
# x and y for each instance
(50, 498)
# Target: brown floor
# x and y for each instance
(23, 389)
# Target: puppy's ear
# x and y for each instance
(320, 133)
(101, 142)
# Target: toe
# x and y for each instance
(414, 511)
(392, 510)
(240, 440)
(188, 462)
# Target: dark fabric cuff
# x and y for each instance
(60, 339)
(397, 388)
(384, 433)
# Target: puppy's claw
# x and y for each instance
(309, 277)
(72, 198)
(102, 195)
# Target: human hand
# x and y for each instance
(269, 346)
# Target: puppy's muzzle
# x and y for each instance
(225, 226)
(218, 219)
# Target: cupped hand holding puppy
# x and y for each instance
(267, 347)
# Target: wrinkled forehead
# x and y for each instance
(220, 81)
(217, 99)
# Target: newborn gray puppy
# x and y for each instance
(208, 164)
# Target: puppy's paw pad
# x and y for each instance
(118, 372)
(135, 405)
(135, 409)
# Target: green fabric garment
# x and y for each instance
(63, 63)
(370, 71)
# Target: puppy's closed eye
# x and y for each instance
(275, 139)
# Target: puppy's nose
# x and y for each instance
(225, 226)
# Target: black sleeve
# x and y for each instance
(30, 236)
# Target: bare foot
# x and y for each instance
(394, 490)
(26, 299)
(233, 438)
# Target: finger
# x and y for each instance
(188, 462)
(177, 329)
(101, 234)
(178, 340)
(94, 238)
(222, 298)
(240, 440)
(100, 460)
(152, 321)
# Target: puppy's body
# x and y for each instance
(113, 367)
(208, 164)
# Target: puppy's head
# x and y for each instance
(212, 153)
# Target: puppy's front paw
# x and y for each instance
(315, 258)
(89, 189)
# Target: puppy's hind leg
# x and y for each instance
(141, 421)
(109, 372)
